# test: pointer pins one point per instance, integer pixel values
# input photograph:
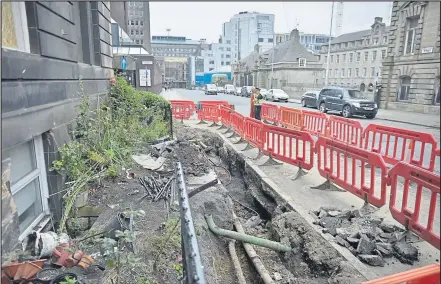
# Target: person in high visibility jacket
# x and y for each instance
(257, 103)
(252, 104)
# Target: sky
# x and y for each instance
(196, 20)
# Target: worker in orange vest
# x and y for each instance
(252, 103)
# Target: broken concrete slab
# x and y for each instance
(342, 242)
(374, 260)
(322, 214)
(332, 223)
(365, 245)
(405, 252)
(384, 252)
(333, 213)
(353, 241)
(344, 233)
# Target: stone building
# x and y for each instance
(411, 70)
(355, 58)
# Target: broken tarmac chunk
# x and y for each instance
(322, 214)
(343, 233)
(332, 223)
(374, 260)
(365, 245)
(353, 241)
(405, 252)
(342, 242)
(385, 251)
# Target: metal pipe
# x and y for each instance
(244, 237)
(329, 46)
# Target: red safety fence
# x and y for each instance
(182, 109)
(238, 123)
(219, 103)
(225, 115)
(290, 118)
(396, 144)
(294, 147)
(254, 132)
(429, 274)
(415, 180)
(315, 122)
(338, 162)
(209, 112)
(345, 130)
(270, 113)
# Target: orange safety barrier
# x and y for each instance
(294, 147)
(182, 109)
(290, 118)
(219, 103)
(254, 132)
(238, 123)
(208, 112)
(270, 113)
(392, 144)
(225, 115)
(421, 178)
(429, 274)
(315, 122)
(344, 173)
(345, 130)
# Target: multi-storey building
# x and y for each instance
(134, 18)
(355, 58)
(312, 42)
(245, 30)
(217, 55)
(174, 46)
(411, 70)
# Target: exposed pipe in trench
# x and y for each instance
(244, 237)
(236, 262)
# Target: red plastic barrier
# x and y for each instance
(294, 147)
(393, 146)
(411, 219)
(182, 109)
(225, 115)
(291, 118)
(209, 112)
(315, 122)
(219, 103)
(329, 155)
(270, 113)
(238, 123)
(429, 274)
(254, 132)
(345, 130)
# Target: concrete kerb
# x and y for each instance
(286, 199)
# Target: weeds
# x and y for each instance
(107, 137)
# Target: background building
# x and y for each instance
(411, 70)
(134, 18)
(312, 42)
(217, 56)
(174, 46)
(355, 58)
(43, 79)
(245, 30)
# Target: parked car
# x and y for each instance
(264, 93)
(246, 91)
(220, 89)
(238, 91)
(348, 102)
(277, 95)
(210, 89)
(309, 99)
(229, 89)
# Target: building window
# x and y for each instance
(137, 41)
(385, 39)
(374, 56)
(28, 183)
(228, 41)
(222, 63)
(141, 32)
(142, 23)
(336, 73)
(228, 48)
(373, 72)
(132, 23)
(411, 26)
(211, 62)
(403, 92)
(142, 41)
(342, 73)
(227, 63)
(332, 59)
(260, 39)
(227, 56)
(302, 62)
(349, 72)
(364, 72)
(366, 56)
(270, 40)
(351, 57)
(358, 56)
(326, 59)
(362, 87)
(136, 23)
(338, 58)
(15, 33)
(137, 32)
(344, 58)
(132, 32)
(357, 72)
(383, 53)
(376, 41)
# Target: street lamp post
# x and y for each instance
(329, 46)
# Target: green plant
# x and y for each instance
(68, 280)
(179, 269)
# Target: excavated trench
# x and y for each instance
(263, 214)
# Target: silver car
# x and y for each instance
(238, 90)
(264, 93)
(277, 95)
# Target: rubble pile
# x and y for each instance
(369, 238)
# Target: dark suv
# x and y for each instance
(346, 101)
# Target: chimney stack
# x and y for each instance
(378, 19)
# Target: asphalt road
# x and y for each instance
(242, 105)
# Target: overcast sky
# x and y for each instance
(198, 20)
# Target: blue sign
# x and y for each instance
(123, 63)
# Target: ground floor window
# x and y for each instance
(362, 87)
(403, 92)
(28, 183)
